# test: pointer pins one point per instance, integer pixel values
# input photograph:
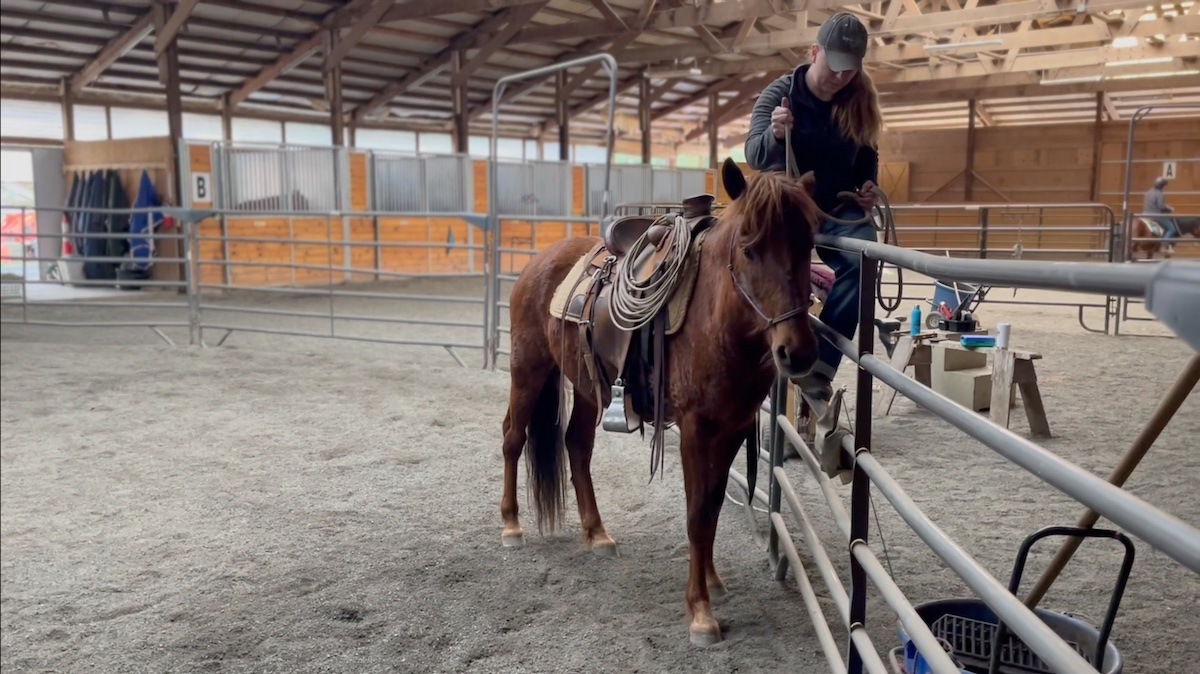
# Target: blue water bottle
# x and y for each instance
(914, 327)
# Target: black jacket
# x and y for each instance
(838, 163)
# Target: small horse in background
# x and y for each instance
(1188, 226)
(746, 323)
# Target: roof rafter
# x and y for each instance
(425, 9)
(431, 66)
(515, 18)
(299, 53)
(179, 16)
(362, 26)
(115, 49)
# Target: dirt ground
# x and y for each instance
(284, 504)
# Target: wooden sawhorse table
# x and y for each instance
(1010, 368)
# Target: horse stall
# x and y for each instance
(309, 475)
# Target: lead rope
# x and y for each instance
(880, 216)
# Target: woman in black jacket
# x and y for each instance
(832, 110)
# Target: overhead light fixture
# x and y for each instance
(674, 73)
(1073, 80)
(1138, 62)
(1124, 42)
(964, 45)
(1161, 73)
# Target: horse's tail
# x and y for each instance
(546, 456)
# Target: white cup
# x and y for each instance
(1002, 338)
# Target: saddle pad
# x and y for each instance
(1155, 228)
(563, 294)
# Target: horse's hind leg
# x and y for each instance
(581, 436)
(528, 379)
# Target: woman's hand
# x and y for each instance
(781, 119)
(866, 196)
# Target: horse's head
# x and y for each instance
(773, 219)
(1189, 226)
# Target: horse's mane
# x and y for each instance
(772, 197)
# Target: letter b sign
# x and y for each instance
(201, 187)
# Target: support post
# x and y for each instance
(562, 115)
(68, 109)
(860, 486)
(462, 123)
(174, 115)
(1141, 445)
(226, 118)
(1097, 140)
(644, 118)
(774, 500)
(713, 130)
(969, 175)
(333, 93)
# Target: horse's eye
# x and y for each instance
(747, 253)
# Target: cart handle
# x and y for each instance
(1114, 601)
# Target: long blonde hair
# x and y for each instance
(856, 109)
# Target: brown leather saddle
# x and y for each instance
(617, 358)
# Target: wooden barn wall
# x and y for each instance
(1055, 163)
(1063, 163)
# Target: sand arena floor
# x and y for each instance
(285, 504)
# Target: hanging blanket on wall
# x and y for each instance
(142, 226)
(91, 222)
(72, 217)
(109, 195)
(116, 223)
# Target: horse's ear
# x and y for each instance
(732, 179)
(809, 181)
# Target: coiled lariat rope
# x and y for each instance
(886, 223)
(635, 303)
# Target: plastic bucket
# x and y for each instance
(945, 293)
(969, 627)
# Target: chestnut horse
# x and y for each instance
(1188, 226)
(747, 321)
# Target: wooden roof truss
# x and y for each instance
(403, 63)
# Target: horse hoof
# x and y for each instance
(706, 635)
(604, 547)
(512, 540)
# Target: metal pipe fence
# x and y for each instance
(1045, 232)
(494, 302)
(499, 344)
(370, 276)
(105, 283)
(1174, 286)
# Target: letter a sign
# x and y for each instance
(1169, 170)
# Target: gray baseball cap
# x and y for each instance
(844, 39)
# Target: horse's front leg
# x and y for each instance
(706, 453)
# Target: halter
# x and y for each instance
(771, 322)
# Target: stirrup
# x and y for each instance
(618, 417)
